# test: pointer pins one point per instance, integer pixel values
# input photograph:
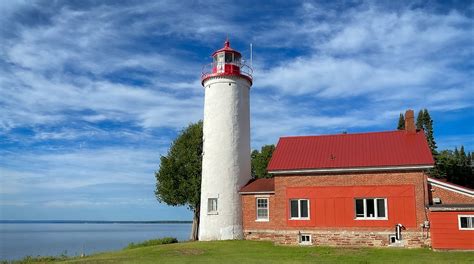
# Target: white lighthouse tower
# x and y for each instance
(226, 147)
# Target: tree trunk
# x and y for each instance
(195, 227)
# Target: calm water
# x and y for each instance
(20, 240)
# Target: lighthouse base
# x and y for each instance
(224, 233)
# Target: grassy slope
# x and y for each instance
(265, 252)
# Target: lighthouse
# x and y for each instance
(226, 144)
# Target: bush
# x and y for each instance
(38, 259)
(153, 242)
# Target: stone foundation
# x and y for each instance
(340, 238)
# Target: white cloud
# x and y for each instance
(38, 87)
(79, 168)
(382, 55)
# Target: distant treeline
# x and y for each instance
(91, 222)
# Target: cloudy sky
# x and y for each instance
(93, 92)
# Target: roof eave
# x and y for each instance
(452, 209)
(354, 169)
(258, 192)
(451, 187)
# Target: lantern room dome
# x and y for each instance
(226, 48)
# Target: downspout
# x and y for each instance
(425, 197)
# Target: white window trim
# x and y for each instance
(301, 242)
(299, 210)
(256, 209)
(469, 217)
(375, 209)
(217, 205)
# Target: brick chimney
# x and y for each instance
(410, 121)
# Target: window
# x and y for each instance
(466, 222)
(220, 62)
(371, 208)
(299, 209)
(228, 57)
(262, 209)
(236, 60)
(305, 239)
(212, 206)
(220, 57)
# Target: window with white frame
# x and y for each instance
(305, 239)
(212, 206)
(371, 208)
(299, 209)
(262, 209)
(466, 222)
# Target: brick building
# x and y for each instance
(356, 189)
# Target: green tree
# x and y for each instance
(428, 128)
(462, 157)
(455, 167)
(401, 122)
(178, 180)
(260, 161)
(420, 119)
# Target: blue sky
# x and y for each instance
(93, 92)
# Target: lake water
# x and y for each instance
(45, 239)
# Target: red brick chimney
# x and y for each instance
(410, 121)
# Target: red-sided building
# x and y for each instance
(358, 189)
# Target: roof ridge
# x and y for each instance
(345, 134)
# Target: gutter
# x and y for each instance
(361, 169)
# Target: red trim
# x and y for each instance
(205, 77)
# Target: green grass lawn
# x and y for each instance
(243, 252)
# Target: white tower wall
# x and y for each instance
(226, 156)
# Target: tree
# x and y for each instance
(428, 128)
(462, 157)
(178, 180)
(401, 122)
(260, 161)
(455, 167)
(424, 121)
(419, 120)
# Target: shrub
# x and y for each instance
(38, 259)
(153, 242)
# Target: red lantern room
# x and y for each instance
(226, 62)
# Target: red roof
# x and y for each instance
(343, 151)
(259, 186)
(227, 48)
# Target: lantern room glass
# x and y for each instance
(229, 57)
